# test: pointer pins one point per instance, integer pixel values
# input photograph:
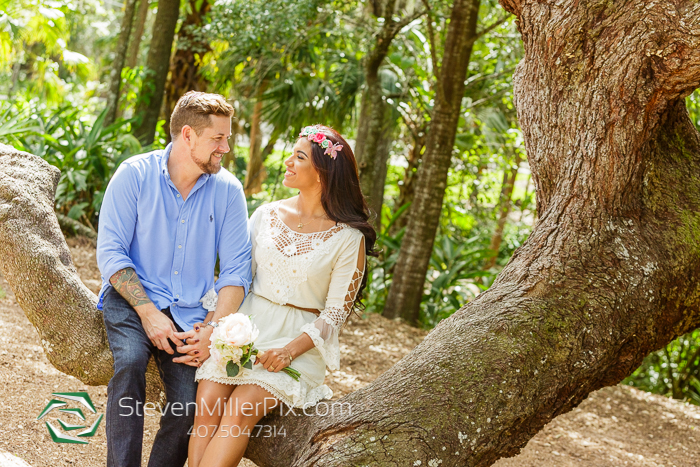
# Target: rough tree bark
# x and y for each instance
(256, 173)
(504, 205)
(229, 159)
(373, 127)
(374, 182)
(184, 67)
(157, 65)
(255, 168)
(414, 255)
(407, 189)
(610, 272)
(115, 75)
(372, 131)
(132, 54)
(36, 262)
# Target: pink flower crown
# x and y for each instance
(313, 133)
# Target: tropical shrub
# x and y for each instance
(87, 154)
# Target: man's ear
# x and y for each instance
(186, 133)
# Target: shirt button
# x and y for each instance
(179, 246)
(178, 196)
(177, 296)
(176, 273)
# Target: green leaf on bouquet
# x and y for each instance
(232, 369)
(248, 365)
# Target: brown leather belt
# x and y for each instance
(310, 310)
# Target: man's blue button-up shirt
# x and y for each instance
(172, 243)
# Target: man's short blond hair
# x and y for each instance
(194, 108)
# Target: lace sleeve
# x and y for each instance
(210, 300)
(346, 278)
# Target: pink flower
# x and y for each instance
(237, 330)
(333, 150)
(319, 137)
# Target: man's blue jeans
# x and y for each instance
(126, 392)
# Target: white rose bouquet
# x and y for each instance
(232, 345)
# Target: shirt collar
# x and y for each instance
(164, 161)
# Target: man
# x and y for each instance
(164, 218)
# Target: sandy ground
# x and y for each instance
(616, 426)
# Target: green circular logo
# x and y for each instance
(75, 414)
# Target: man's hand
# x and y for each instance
(159, 328)
(197, 341)
(196, 345)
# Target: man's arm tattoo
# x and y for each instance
(127, 283)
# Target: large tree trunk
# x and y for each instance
(372, 102)
(184, 67)
(610, 272)
(374, 126)
(504, 205)
(407, 189)
(36, 262)
(115, 76)
(372, 184)
(132, 54)
(412, 265)
(258, 171)
(255, 169)
(157, 64)
(229, 159)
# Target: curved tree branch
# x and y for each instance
(36, 262)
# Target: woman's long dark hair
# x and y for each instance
(341, 196)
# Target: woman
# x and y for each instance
(309, 269)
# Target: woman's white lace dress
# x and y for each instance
(321, 270)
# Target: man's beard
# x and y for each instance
(209, 166)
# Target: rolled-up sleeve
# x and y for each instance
(234, 244)
(117, 222)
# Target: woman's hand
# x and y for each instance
(274, 359)
(196, 348)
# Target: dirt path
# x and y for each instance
(614, 427)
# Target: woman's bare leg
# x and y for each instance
(247, 405)
(211, 402)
